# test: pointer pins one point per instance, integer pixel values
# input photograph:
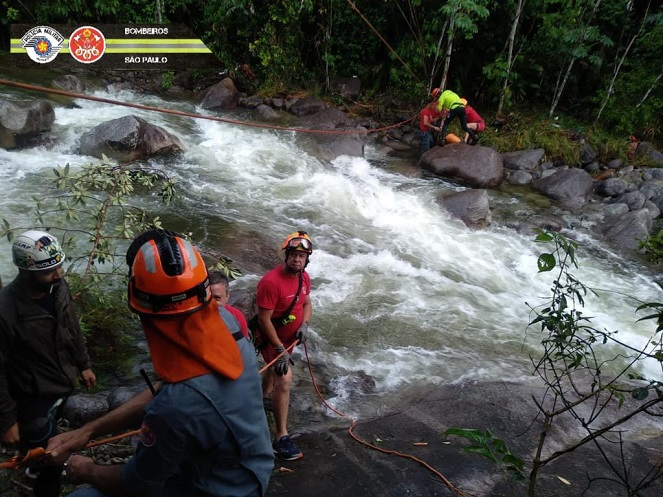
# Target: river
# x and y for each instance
(401, 291)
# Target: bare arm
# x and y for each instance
(126, 416)
(105, 478)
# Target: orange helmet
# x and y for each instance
(298, 240)
(435, 92)
(167, 275)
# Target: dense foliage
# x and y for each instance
(596, 59)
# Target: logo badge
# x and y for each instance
(87, 44)
(42, 44)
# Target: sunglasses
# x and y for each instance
(296, 243)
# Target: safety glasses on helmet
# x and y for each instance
(299, 242)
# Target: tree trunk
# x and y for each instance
(509, 60)
(611, 87)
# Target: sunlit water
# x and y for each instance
(400, 290)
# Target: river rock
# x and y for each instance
(626, 230)
(610, 187)
(476, 166)
(307, 106)
(328, 146)
(69, 82)
(21, 123)
(524, 160)
(222, 95)
(84, 407)
(647, 149)
(127, 139)
(570, 187)
(470, 206)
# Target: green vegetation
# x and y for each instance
(598, 61)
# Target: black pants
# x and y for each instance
(458, 112)
(37, 421)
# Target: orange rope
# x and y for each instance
(449, 485)
(267, 366)
(198, 116)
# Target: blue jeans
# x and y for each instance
(426, 139)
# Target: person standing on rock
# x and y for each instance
(284, 313)
(429, 115)
(451, 103)
(42, 350)
(204, 432)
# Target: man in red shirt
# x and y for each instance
(427, 119)
(284, 311)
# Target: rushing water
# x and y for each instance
(401, 291)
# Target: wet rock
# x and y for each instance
(570, 187)
(470, 206)
(476, 166)
(523, 160)
(222, 95)
(128, 138)
(20, 123)
(626, 230)
(69, 82)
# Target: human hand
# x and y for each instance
(76, 467)
(302, 333)
(61, 446)
(88, 378)
(281, 364)
(11, 436)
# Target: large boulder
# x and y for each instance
(626, 230)
(476, 166)
(336, 137)
(128, 138)
(223, 95)
(21, 123)
(470, 206)
(570, 187)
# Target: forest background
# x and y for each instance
(595, 62)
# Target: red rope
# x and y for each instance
(449, 485)
(54, 91)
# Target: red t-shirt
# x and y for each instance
(275, 291)
(433, 115)
(472, 115)
(241, 319)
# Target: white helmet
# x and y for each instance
(37, 251)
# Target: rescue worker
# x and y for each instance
(284, 313)
(205, 431)
(42, 350)
(453, 105)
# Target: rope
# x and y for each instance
(449, 485)
(150, 108)
(20, 460)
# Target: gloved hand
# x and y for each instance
(281, 364)
(302, 333)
